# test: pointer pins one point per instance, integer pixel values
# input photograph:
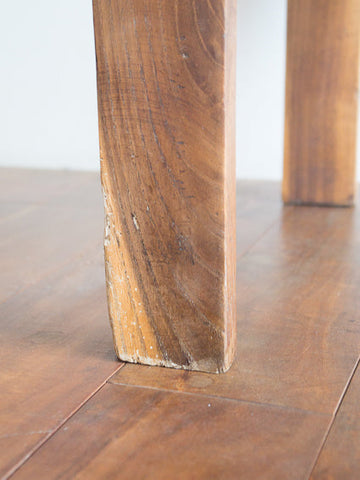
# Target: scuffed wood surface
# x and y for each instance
(321, 101)
(166, 91)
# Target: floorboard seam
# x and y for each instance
(262, 235)
(37, 447)
(217, 397)
(28, 207)
(333, 418)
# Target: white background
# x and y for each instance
(48, 115)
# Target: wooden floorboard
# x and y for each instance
(127, 432)
(50, 187)
(298, 317)
(42, 230)
(340, 456)
(268, 417)
(56, 347)
(35, 244)
(255, 200)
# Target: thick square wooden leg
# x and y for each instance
(321, 101)
(166, 95)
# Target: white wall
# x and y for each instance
(48, 116)
(261, 51)
(48, 111)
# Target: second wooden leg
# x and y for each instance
(321, 101)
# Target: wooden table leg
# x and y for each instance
(166, 95)
(321, 101)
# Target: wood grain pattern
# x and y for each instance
(340, 456)
(297, 296)
(321, 101)
(142, 433)
(166, 93)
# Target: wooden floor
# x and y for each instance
(287, 409)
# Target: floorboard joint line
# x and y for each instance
(217, 397)
(336, 411)
(37, 447)
(288, 210)
(28, 207)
